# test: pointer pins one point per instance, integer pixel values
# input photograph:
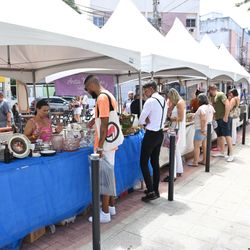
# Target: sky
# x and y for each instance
(227, 8)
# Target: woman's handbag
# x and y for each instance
(235, 112)
(214, 124)
(166, 139)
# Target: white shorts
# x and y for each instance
(77, 111)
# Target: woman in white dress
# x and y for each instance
(178, 122)
(234, 99)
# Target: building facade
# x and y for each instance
(187, 11)
(225, 30)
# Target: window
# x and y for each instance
(99, 21)
(55, 100)
(190, 22)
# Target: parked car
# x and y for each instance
(57, 104)
(68, 98)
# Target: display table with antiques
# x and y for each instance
(40, 191)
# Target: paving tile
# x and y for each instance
(210, 222)
(178, 241)
(129, 241)
(232, 242)
(238, 230)
(204, 233)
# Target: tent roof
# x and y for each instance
(218, 64)
(158, 53)
(180, 45)
(136, 33)
(236, 67)
(47, 36)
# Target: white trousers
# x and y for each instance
(234, 130)
(178, 166)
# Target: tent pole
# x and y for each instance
(34, 83)
(208, 82)
(120, 94)
(186, 92)
(152, 75)
(8, 54)
(117, 93)
(47, 89)
(140, 89)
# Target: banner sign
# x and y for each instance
(73, 85)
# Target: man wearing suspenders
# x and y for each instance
(153, 117)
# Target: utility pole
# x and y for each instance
(156, 15)
(242, 48)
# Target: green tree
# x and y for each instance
(72, 4)
(243, 2)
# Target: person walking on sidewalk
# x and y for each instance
(222, 109)
(153, 117)
(102, 111)
(5, 112)
(202, 117)
(234, 99)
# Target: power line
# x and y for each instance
(176, 6)
(169, 4)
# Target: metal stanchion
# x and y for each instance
(171, 168)
(244, 128)
(209, 139)
(95, 165)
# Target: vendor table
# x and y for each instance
(35, 192)
(190, 130)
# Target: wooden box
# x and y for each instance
(32, 237)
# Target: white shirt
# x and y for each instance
(207, 110)
(154, 111)
(127, 105)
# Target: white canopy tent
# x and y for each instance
(138, 34)
(220, 68)
(44, 37)
(179, 44)
(241, 73)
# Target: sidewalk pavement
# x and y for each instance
(210, 211)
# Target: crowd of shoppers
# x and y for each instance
(157, 109)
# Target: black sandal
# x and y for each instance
(167, 179)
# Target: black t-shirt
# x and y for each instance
(135, 107)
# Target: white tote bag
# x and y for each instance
(114, 136)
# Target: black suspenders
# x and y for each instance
(163, 107)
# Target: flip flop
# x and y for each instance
(192, 165)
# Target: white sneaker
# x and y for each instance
(230, 158)
(218, 155)
(104, 217)
(112, 211)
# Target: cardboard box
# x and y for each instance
(32, 237)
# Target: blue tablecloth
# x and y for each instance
(35, 192)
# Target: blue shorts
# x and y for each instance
(198, 136)
(224, 128)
